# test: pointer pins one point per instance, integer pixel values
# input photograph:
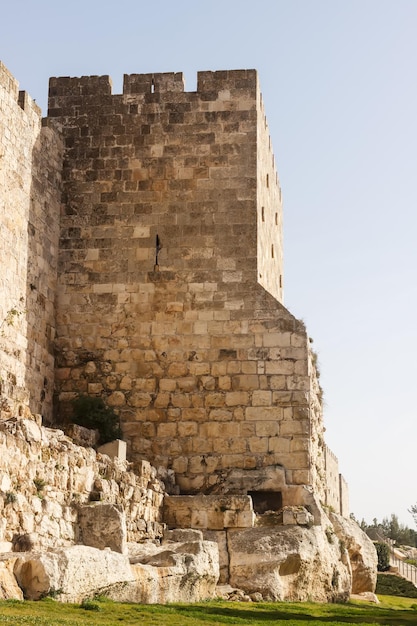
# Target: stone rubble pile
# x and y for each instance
(75, 523)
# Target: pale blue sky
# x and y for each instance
(340, 92)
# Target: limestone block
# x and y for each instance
(220, 537)
(265, 413)
(208, 512)
(184, 535)
(83, 436)
(245, 382)
(78, 572)
(114, 449)
(261, 398)
(30, 430)
(297, 515)
(267, 429)
(103, 525)
(258, 445)
(235, 398)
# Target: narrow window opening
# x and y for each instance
(280, 281)
(272, 251)
(153, 86)
(263, 214)
(276, 219)
(267, 180)
(264, 501)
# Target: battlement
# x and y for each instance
(11, 87)
(133, 84)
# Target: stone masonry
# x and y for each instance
(169, 279)
(30, 175)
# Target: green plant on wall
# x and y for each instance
(13, 314)
(92, 412)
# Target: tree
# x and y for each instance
(413, 511)
(382, 550)
(391, 528)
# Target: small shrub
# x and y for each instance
(89, 605)
(91, 412)
(392, 585)
(10, 497)
(52, 594)
(39, 483)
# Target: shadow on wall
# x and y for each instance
(41, 281)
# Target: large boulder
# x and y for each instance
(289, 563)
(72, 574)
(361, 550)
(183, 569)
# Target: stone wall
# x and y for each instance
(344, 496)
(337, 491)
(30, 174)
(46, 479)
(206, 368)
(332, 480)
(269, 209)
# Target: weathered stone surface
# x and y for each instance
(76, 572)
(82, 436)
(103, 526)
(30, 190)
(362, 553)
(9, 589)
(288, 563)
(209, 512)
(220, 537)
(368, 596)
(172, 572)
(45, 477)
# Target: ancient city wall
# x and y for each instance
(30, 173)
(207, 370)
(337, 491)
(332, 480)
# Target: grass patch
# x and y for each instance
(391, 612)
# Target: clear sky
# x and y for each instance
(340, 92)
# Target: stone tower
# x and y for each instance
(30, 179)
(170, 282)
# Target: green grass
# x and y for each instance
(392, 611)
